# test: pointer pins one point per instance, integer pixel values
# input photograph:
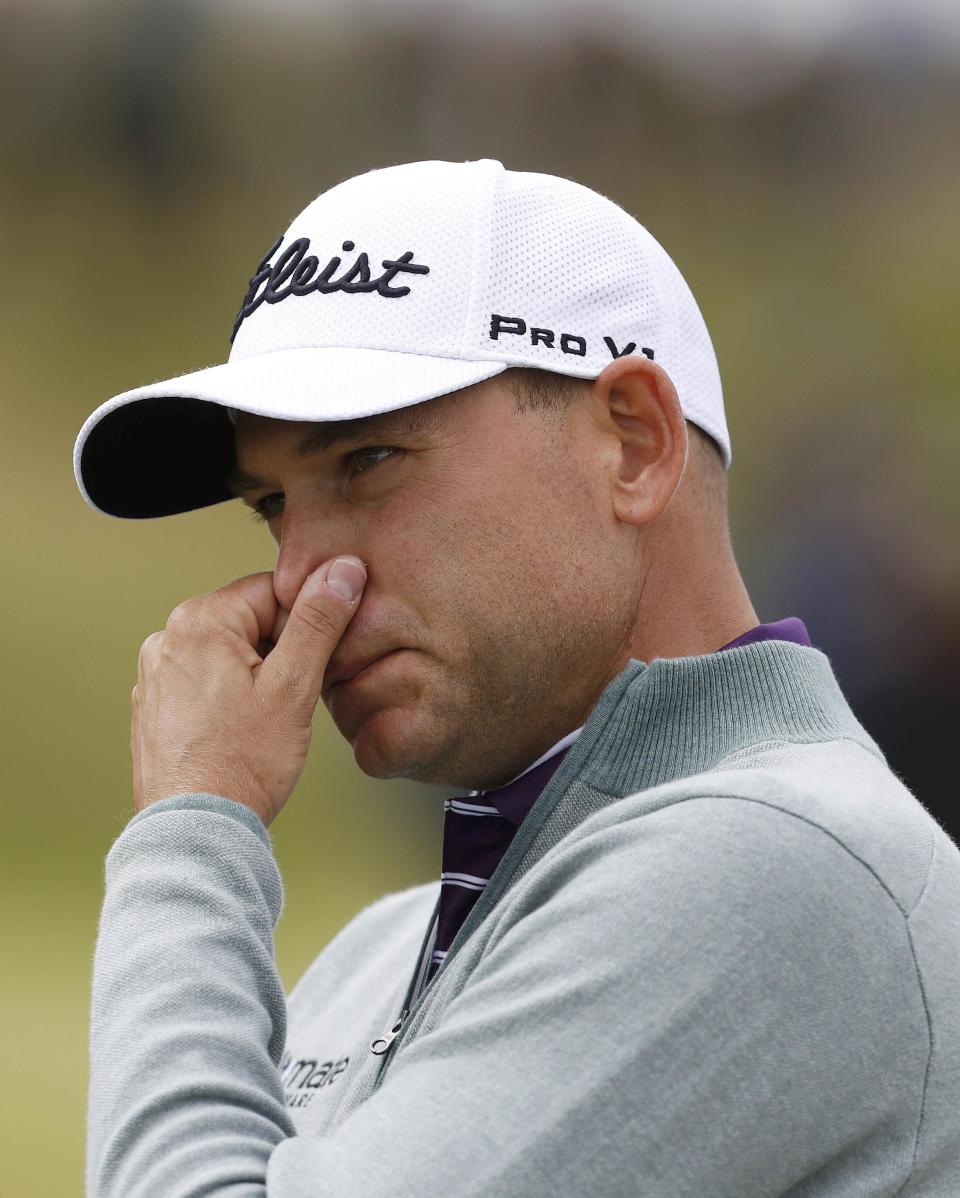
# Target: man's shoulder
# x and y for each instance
(849, 794)
(793, 805)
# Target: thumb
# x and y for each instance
(319, 616)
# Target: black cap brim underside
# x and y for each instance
(158, 457)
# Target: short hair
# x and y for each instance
(547, 391)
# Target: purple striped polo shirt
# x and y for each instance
(478, 828)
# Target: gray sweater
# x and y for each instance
(720, 959)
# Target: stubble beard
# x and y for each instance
(485, 723)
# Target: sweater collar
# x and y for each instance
(680, 716)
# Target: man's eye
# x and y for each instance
(366, 454)
(268, 507)
(363, 461)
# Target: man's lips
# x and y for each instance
(344, 671)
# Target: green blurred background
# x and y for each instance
(802, 171)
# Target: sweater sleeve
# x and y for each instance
(188, 1018)
(717, 998)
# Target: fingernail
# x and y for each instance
(347, 576)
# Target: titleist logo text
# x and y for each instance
(296, 272)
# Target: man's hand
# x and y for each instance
(217, 709)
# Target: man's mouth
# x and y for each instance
(352, 668)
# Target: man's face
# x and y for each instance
(494, 606)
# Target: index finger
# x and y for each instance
(250, 606)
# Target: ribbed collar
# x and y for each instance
(679, 716)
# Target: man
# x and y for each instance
(692, 936)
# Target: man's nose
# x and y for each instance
(302, 550)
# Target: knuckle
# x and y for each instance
(151, 644)
(182, 618)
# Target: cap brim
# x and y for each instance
(165, 448)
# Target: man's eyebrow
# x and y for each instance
(413, 419)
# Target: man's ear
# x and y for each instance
(635, 402)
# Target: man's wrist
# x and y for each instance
(205, 801)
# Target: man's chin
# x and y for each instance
(395, 720)
(392, 742)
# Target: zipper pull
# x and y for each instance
(382, 1043)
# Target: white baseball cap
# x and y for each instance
(392, 288)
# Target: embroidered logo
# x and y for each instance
(296, 272)
(303, 1076)
(568, 343)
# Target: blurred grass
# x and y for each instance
(827, 270)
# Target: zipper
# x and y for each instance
(382, 1043)
(571, 768)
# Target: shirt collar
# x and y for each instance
(790, 629)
